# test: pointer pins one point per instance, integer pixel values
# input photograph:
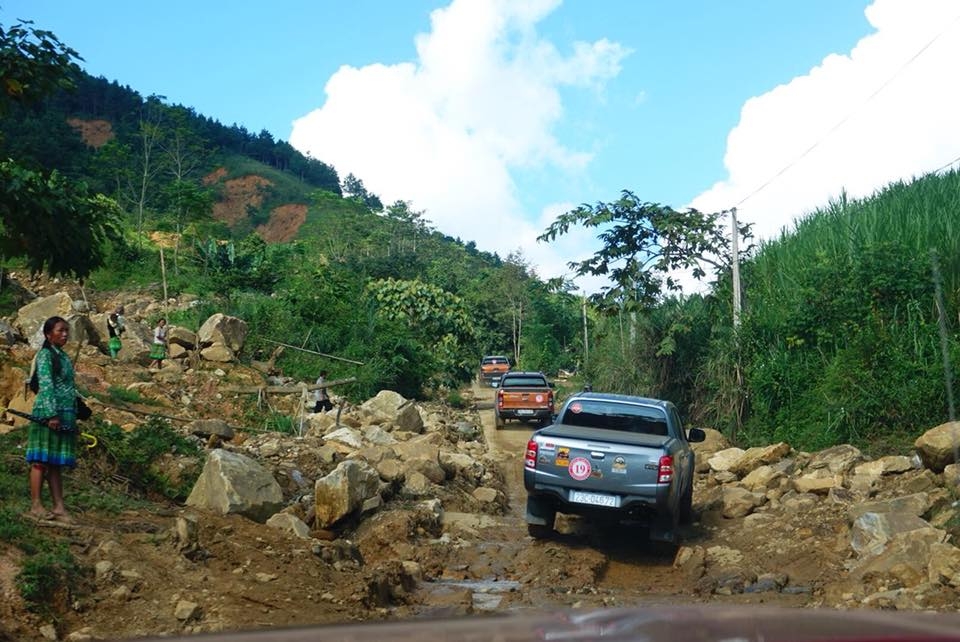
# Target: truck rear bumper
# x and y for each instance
(519, 413)
(632, 507)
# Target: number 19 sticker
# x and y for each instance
(579, 468)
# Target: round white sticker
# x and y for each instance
(579, 468)
(539, 398)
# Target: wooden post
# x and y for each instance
(735, 259)
(163, 274)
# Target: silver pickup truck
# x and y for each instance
(612, 458)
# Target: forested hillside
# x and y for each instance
(848, 332)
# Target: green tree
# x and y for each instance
(353, 188)
(33, 64)
(644, 244)
(439, 319)
(52, 222)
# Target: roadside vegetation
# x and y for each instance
(841, 332)
(120, 472)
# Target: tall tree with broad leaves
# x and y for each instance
(54, 223)
(644, 245)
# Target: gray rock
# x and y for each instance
(936, 446)
(208, 427)
(289, 523)
(217, 353)
(233, 483)
(872, 531)
(344, 490)
(224, 330)
(186, 611)
(837, 459)
(916, 505)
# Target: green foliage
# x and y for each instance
(119, 394)
(439, 319)
(47, 573)
(52, 222)
(135, 453)
(279, 422)
(456, 400)
(33, 64)
(840, 339)
(643, 243)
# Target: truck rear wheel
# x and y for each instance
(686, 505)
(498, 421)
(539, 531)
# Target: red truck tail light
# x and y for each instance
(664, 470)
(550, 400)
(500, 398)
(530, 458)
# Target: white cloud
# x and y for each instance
(445, 131)
(905, 130)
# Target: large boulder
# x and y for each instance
(837, 459)
(223, 330)
(344, 490)
(218, 353)
(759, 456)
(740, 502)
(391, 409)
(233, 483)
(936, 446)
(30, 317)
(181, 337)
(904, 559)
(872, 531)
(916, 504)
(723, 460)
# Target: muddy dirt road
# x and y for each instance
(580, 566)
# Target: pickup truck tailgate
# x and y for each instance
(599, 465)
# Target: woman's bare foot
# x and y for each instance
(63, 518)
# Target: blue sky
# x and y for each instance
(494, 116)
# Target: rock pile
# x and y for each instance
(883, 523)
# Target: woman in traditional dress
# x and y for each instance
(158, 351)
(52, 442)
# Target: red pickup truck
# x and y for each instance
(524, 396)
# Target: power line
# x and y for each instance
(943, 167)
(849, 115)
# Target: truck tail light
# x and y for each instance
(550, 400)
(664, 470)
(500, 398)
(530, 458)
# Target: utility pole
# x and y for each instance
(735, 250)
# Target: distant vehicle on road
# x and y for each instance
(526, 396)
(492, 367)
(612, 458)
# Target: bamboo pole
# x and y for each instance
(322, 354)
(285, 389)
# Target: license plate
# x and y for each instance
(524, 412)
(595, 499)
